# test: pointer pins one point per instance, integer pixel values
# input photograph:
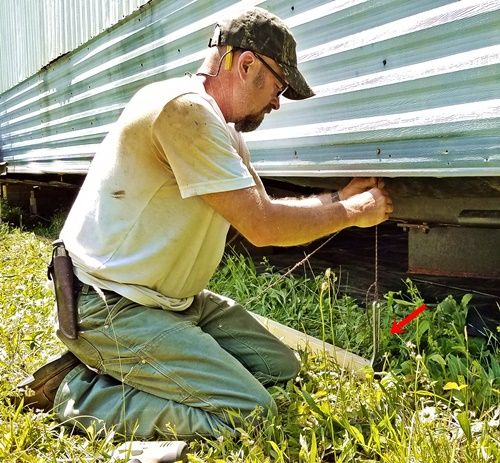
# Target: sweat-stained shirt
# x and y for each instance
(138, 226)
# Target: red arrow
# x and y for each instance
(397, 328)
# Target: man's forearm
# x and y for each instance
(293, 221)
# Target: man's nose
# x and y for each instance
(275, 103)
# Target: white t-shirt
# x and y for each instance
(138, 226)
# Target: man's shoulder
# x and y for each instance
(161, 91)
(181, 92)
(166, 90)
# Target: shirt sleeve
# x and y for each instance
(199, 148)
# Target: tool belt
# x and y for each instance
(66, 287)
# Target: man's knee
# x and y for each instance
(291, 366)
(285, 369)
(263, 405)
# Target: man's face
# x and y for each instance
(264, 96)
(252, 121)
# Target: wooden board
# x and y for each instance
(297, 340)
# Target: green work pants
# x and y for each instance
(156, 372)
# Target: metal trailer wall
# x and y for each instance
(35, 32)
(404, 88)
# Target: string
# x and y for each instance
(375, 306)
(289, 271)
(375, 292)
(375, 301)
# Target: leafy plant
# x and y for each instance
(436, 342)
(11, 215)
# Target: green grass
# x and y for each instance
(437, 399)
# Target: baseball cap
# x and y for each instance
(260, 31)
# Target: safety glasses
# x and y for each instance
(284, 84)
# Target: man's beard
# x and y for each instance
(251, 122)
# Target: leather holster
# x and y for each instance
(60, 271)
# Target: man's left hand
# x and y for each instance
(359, 185)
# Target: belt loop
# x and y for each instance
(85, 289)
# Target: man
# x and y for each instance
(155, 352)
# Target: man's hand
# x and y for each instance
(370, 207)
(358, 185)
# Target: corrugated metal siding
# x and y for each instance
(403, 88)
(35, 32)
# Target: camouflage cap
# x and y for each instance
(260, 31)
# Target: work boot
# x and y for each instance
(46, 380)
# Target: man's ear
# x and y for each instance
(246, 62)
